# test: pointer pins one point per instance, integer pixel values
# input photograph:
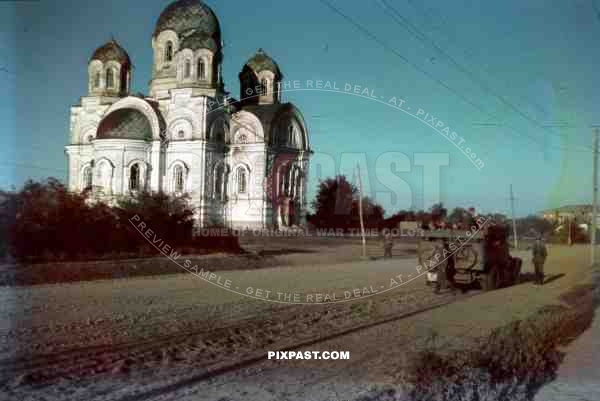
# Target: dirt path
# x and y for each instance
(156, 337)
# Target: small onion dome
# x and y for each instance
(125, 124)
(112, 51)
(184, 16)
(199, 40)
(261, 62)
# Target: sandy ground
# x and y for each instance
(156, 338)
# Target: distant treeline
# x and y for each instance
(336, 206)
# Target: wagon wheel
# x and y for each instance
(466, 258)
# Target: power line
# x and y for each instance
(413, 30)
(427, 74)
(421, 9)
(6, 70)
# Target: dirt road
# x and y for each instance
(157, 337)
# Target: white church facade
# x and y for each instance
(242, 163)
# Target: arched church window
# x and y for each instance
(178, 178)
(187, 69)
(169, 51)
(286, 182)
(290, 138)
(264, 86)
(201, 70)
(181, 134)
(104, 177)
(110, 78)
(242, 180)
(97, 80)
(134, 178)
(218, 189)
(87, 178)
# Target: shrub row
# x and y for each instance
(45, 222)
(513, 362)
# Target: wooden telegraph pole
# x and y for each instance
(360, 213)
(514, 220)
(595, 196)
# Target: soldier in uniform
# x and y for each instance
(539, 254)
(388, 244)
(445, 270)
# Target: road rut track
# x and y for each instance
(216, 347)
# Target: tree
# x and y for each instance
(168, 216)
(394, 220)
(336, 206)
(438, 213)
(457, 216)
(333, 203)
(532, 226)
(44, 221)
(372, 213)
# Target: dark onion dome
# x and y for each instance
(112, 51)
(183, 16)
(261, 62)
(125, 124)
(199, 40)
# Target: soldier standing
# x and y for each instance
(388, 244)
(445, 271)
(539, 254)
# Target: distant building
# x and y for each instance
(580, 213)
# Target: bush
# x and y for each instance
(512, 363)
(45, 222)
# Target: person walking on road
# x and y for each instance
(539, 253)
(388, 244)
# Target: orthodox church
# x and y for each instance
(242, 163)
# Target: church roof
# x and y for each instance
(125, 124)
(183, 16)
(199, 40)
(261, 61)
(112, 51)
(268, 114)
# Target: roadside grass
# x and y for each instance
(512, 363)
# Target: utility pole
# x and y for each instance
(595, 196)
(514, 220)
(360, 213)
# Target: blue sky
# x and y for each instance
(538, 56)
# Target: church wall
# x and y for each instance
(78, 157)
(121, 154)
(246, 209)
(189, 154)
